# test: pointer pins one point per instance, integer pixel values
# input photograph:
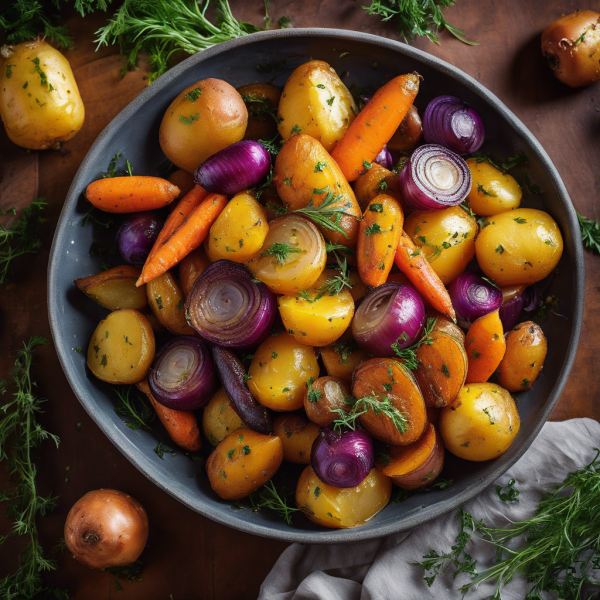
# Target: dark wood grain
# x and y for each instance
(189, 556)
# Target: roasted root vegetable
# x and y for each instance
(40, 104)
(342, 357)
(376, 180)
(492, 191)
(261, 100)
(386, 383)
(239, 231)
(297, 436)
(521, 246)
(485, 347)
(340, 508)
(445, 237)
(122, 347)
(417, 465)
(219, 418)
(181, 425)
(205, 117)
(306, 176)
(243, 462)
(183, 180)
(167, 303)
(379, 234)
(409, 134)
(317, 103)
(375, 125)
(481, 423)
(523, 361)
(279, 371)
(323, 397)
(130, 194)
(191, 267)
(115, 289)
(572, 46)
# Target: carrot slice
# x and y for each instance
(182, 210)
(485, 347)
(181, 425)
(416, 267)
(375, 124)
(187, 237)
(131, 194)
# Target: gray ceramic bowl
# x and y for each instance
(134, 132)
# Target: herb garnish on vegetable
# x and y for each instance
(378, 403)
(408, 355)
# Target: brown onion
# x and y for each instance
(106, 528)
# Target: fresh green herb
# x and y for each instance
(280, 251)
(20, 435)
(230, 453)
(320, 86)
(525, 382)
(511, 494)
(436, 249)
(131, 573)
(345, 348)
(475, 354)
(512, 161)
(158, 300)
(112, 170)
(269, 497)
(38, 70)
(9, 71)
(376, 208)
(97, 217)
(320, 166)
(367, 165)
(330, 101)
(313, 395)
(344, 54)
(247, 377)
(465, 206)
(417, 18)
(379, 404)
(445, 370)
(520, 220)
(408, 355)
(489, 414)
(134, 407)
(481, 189)
(330, 247)
(274, 355)
(387, 387)
(295, 130)
(547, 307)
(77, 349)
(323, 215)
(272, 145)
(189, 120)
(375, 228)
(287, 181)
(195, 94)
(590, 233)
(528, 187)
(21, 237)
(317, 491)
(160, 451)
(500, 249)
(490, 281)
(383, 185)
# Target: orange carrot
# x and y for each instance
(375, 124)
(131, 194)
(416, 267)
(485, 347)
(187, 237)
(379, 233)
(181, 425)
(183, 210)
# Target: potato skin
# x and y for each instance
(38, 116)
(410, 132)
(219, 118)
(166, 301)
(297, 436)
(481, 423)
(492, 192)
(340, 359)
(219, 418)
(376, 180)
(514, 252)
(323, 396)
(261, 100)
(324, 112)
(243, 462)
(122, 347)
(115, 288)
(526, 349)
(572, 46)
(341, 508)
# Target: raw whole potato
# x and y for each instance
(167, 303)
(122, 347)
(243, 462)
(219, 418)
(340, 508)
(40, 103)
(492, 192)
(206, 117)
(115, 289)
(297, 436)
(261, 100)
(316, 103)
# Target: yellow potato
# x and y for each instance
(519, 247)
(261, 100)
(219, 419)
(40, 103)
(115, 289)
(297, 436)
(446, 237)
(317, 103)
(481, 423)
(340, 508)
(376, 180)
(279, 371)
(492, 192)
(122, 347)
(206, 117)
(167, 303)
(243, 462)
(239, 231)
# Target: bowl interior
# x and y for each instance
(271, 56)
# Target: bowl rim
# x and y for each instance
(119, 439)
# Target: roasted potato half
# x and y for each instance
(115, 289)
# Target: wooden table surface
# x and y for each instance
(188, 556)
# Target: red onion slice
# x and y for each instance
(472, 297)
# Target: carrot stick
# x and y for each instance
(187, 237)
(416, 267)
(131, 194)
(485, 347)
(183, 210)
(181, 425)
(375, 124)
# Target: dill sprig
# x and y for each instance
(20, 238)
(20, 435)
(505, 166)
(590, 233)
(417, 17)
(269, 497)
(330, 247)
(378, 403)
(272, 145)
(134, 407)
(334, 285)
(408, 355)
(280, 251)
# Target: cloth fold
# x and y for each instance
(385, 569)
